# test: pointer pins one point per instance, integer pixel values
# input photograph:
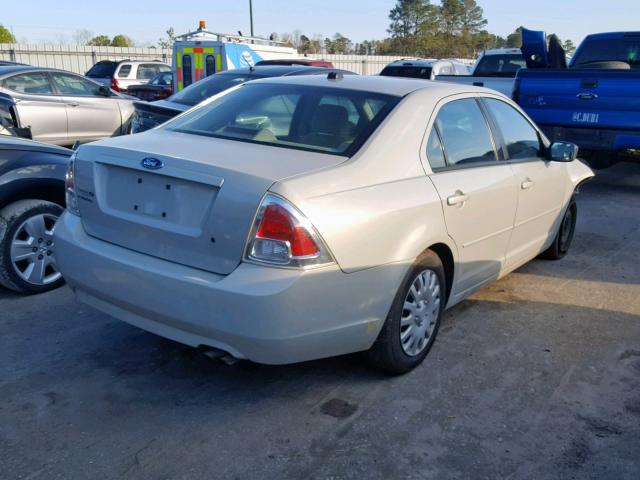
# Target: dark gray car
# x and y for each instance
(61, 107)
(149, 115)
(31, 200)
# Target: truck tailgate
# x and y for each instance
(602, 99)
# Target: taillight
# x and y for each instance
(282, 236)
(70, 187)
(115, 85)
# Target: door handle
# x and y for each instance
(457, 198)
(73, 104)
(527, 184)
(587, 96)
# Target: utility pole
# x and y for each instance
(251, 15)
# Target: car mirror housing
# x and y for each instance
(563, 152)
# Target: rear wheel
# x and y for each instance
(27, 248)
(564, 237)
(414, 318)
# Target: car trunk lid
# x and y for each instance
(184, 198)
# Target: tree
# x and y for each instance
(569, 47)
(410, 17)
(100, 41)
(82, 37)
(338, 44)
(514, 40)
(168, 41)
(121, 41)
(6, 36)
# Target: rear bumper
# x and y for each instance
(267, 315)
(593, 138)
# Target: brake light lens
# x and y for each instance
(71, 198)
(115, 85)
(282, 236)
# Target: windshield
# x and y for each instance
(327, 120)
(208, 87)
(499, 66)
(102, 70)
(407, 71)
(609, 50)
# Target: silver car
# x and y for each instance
(61, 107)
(296, 218)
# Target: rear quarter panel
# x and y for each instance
(379, 207)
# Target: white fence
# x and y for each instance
(80, 58)
(76, 58)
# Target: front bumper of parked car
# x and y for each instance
(268, 315)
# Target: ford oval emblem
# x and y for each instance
(152, 163)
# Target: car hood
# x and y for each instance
(16, 143)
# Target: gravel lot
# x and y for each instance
(537, 376)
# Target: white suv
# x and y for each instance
(119, 75)
(424, 68)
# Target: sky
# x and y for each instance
(146, 20)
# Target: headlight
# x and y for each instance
(70, 187)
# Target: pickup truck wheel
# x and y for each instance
(414, 318)
(27, 248)
(564, 237)
(599, 160)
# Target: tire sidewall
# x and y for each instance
(563, 248)
(11, 227)
(401, 361)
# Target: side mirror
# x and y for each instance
(563, 152)
(104, 91)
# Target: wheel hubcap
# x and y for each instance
(420, 312)
(32, 250)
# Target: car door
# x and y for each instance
(38, 106)
(477, 190)
(90, 115)
(541, 183)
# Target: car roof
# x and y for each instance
(23, 144)
(396, 86)
(613, 35)
(503, 51)
(279, 70)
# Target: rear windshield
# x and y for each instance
(607, 50)
(407, 71)
(324, 120)
(500, 65)
(102, 70)
(209, 87)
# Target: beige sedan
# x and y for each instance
(298, 218)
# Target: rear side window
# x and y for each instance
(435, 154)
(464, 133)
(124, 71)
(36, 83)
(186, 70)
(102, 70)
(407, 71)
(500, 65)
(520, 137)
(146, 71)
(326, 120)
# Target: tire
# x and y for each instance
(392, 350)
(36, 271)
(564, 237)
(600, 159)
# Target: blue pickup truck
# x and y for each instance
(595, 103)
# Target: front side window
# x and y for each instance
(520, 137)
(74, 86)
(146, 71)
(464, 133)
(36, 83)
(326, 120)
